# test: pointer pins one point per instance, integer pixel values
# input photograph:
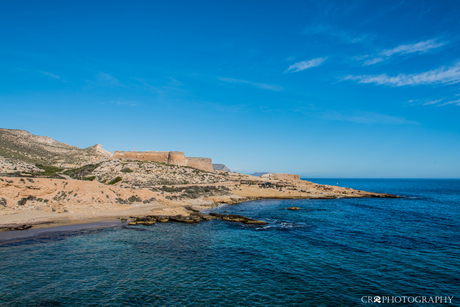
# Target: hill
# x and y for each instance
(24, 146)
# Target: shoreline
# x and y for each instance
(8, 236)
(46, 203)
(115, 217)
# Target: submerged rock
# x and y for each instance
(194, 217)
(236, 218)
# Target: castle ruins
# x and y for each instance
(168, 157)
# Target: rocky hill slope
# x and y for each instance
(144, 174)
(24, 146)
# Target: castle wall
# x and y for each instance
(169, 157)
(200, 163)
(157, 156)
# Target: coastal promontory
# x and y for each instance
(41, 184)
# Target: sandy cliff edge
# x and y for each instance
(43, 202)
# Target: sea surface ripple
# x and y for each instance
(329, 253)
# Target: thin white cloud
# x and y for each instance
(433, 102)
(51, 75)
(344, 35)
(104, 79)
(174, 82)
(364, 117)
(299, 66)
(442, 75)
(374, 61)
(264, 86)
(126, 103)
(412, 48)
(457, 102)
(420, 47)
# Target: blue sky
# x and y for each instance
(318, 88)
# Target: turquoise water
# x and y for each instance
(332, 253)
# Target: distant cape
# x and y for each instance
(258, 174)
(221, 167)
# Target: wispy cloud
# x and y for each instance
(364, 117)
(442, 75)
(436, 102)
(433, 102)
(174, 82)
(299, 66)
(457, 102)
(412, 48)
(345, 36)
(125, 103)
(264, 86)
(104, 79)
(374, 61)
(420, 47)
(51, 75)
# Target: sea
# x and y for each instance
(332, 252)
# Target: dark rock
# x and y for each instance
(236, 218)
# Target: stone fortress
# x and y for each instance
(168, 157)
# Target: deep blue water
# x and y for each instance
(332, 253)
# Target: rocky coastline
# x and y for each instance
(45, 183)
(27, 203)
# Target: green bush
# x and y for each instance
(48, 170)
(119, 200)
(81, 172)
(118, 179)
(133, 199)
(126, 170)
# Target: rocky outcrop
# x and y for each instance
(8, 166)
(237, 218)
(57, 195)
(195, 216)
(278, 176)
(98, 151)
(146, 174)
